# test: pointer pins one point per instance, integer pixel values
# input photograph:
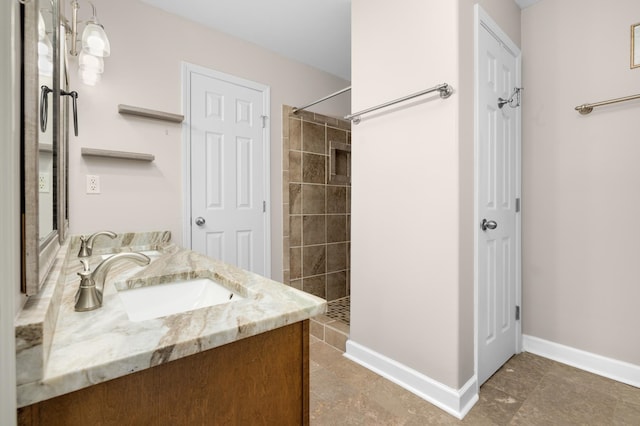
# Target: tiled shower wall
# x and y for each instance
(317, 219)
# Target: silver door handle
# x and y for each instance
(488, 224)
(200, 221)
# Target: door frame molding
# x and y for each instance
(187, 70)
(482, 19)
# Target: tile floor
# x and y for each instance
(528, 390)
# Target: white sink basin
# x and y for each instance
(150, 253)
(160, 300)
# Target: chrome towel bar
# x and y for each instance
(587, 108)
(444, 89)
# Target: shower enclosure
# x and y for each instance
(317, 215)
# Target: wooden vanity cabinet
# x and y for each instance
(260, 380)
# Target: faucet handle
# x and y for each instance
(86, 243)
(85, 265)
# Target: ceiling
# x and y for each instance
(314, 32)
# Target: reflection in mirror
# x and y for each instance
(46, 176)
(44, 140)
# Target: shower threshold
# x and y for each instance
(333, 327)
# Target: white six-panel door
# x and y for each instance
(229, 173)
(497, 190)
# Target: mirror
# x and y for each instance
(635, 45)
(44, 141)
(46, 181)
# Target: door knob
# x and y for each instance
(488, 224)
(200, 221)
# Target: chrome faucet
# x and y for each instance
(86, 243)
(88, 296)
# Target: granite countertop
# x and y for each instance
(91, 347)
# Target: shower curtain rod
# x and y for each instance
(339, 92)
(444, 89)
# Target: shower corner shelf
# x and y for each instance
(117, 154)
(150, 113)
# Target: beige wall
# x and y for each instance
(144, 69)
(581, 203)
(404, 276)
(413, 184)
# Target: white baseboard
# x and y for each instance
(608, 367)
(455, 402)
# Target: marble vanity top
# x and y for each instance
(86, 348)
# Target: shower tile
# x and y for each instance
(313, 138)
(316, 329)
(285, 152)
(314, 230)
(335, 338)
(286, 257)
(295, 198)
(314, 197)
(286, 222)
(348, 227)
(295, 263)
(286, 112)
(336, 228)
(314, 170)
(285, 189)
(323, 119)
(295, 231)
(314, 260)
(336, 199)
(297, 284)
(348, 210)
(336, 285)
(295, 166)
(336, 135)
(306, 115)
(348, 255)
(336, 257)
(295, 134)
(315, 285)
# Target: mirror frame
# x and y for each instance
(635, 45)
(39, 256)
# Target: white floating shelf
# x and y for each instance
(150, 113)
(117, 154)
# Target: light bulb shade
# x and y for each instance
(42, 28)
(89, 77)
(95, 41)
(45, 66)
(45, 49)
(90, 63)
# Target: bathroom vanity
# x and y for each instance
(240, 362)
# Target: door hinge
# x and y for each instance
(264, 207)
(517, 205)
(517, 313)
(264, 121)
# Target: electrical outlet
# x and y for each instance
(43, 182)
(93, 184)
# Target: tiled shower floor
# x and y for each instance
(340, 310)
